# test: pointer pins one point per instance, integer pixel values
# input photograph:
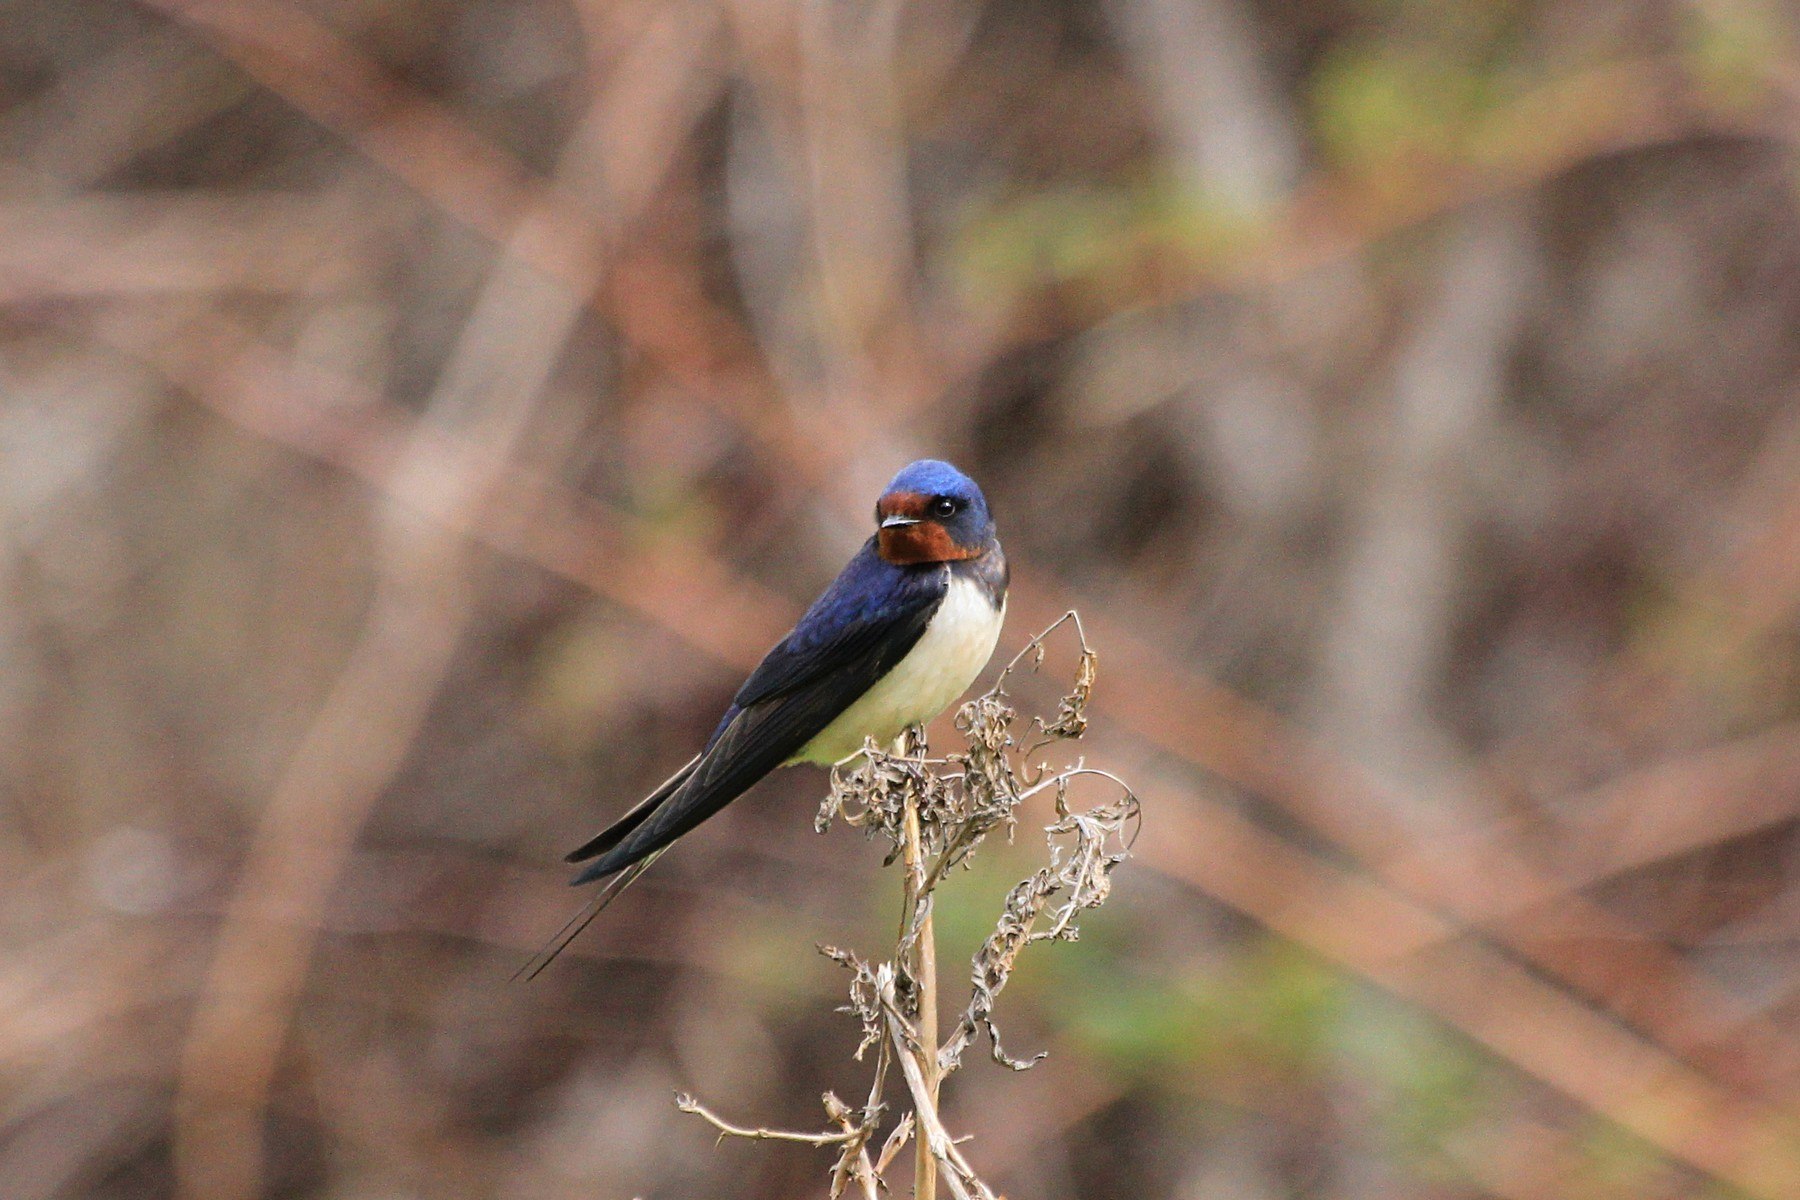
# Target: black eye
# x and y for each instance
(943, 506)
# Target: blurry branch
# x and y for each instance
(1518, 1158)
(458, 452)
(1605, 109)
(86, 992)
(1226, 123)
(653, 97)
(1526, 1020)
(935, 814)
(855, 163)
(1412, 516)
(109, 109)
(1330, 217)
(303, 61)
(1761, 576)
(354, 745)
(485, 187)
(526, 514)
(156, 245)
(1681, 805)
(1767, 44)
(821, 232)
(1336, 215)
(1199, 722)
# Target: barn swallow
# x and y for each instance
(901, 633)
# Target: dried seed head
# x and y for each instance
(955, 803)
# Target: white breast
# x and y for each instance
(938, 669)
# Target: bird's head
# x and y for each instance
(932, 513)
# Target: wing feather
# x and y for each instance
(872, 615)
(855, 618)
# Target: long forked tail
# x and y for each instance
(572, 928)
(620, 829)
(597, 845)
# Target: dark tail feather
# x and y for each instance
(572, 928)
(619, 830)
(595, 846)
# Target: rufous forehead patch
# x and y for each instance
(903, 504)
(926, 542)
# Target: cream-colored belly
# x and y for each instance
(938, 669)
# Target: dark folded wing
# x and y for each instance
(864, 624)
(869, 608)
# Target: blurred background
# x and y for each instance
(416, 416)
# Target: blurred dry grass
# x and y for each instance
(415, 416)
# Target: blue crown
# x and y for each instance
(931, 477)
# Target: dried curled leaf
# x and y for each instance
(863, 1005)
(871, 792)
(1071, 714)
(1079, 873)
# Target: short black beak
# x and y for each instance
(896, 521)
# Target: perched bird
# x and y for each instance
(901, 633)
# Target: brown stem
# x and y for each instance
(923, 968)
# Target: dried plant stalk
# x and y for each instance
(923, 966)
(935, 813)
